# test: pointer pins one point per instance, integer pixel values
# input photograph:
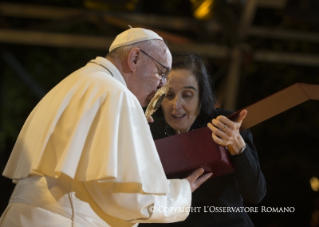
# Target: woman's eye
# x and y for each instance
(188, 95)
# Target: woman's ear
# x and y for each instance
(132, 58)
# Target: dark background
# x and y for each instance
(288, 144)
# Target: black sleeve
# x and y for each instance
(250, 179)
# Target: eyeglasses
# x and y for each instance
(162, 74)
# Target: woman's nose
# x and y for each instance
(177, 103)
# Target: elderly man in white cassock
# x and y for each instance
(85, 155)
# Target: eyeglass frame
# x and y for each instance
(168, 70)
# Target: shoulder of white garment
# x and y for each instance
(76, 130)
(116, 74)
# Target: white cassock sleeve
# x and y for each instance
(128, 203)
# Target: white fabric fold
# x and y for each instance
(172, 207)
(70, 132)
(88, 138)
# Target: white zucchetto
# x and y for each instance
(133, 35)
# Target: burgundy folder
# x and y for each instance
(182, 154)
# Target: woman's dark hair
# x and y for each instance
(195, 64)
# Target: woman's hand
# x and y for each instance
(226, 132)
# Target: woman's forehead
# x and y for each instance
(183, 78)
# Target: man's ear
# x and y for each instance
(132, 58)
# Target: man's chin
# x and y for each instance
(145, 103)
(149, 97)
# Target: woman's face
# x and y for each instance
(181, 104)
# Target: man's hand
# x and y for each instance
(196, 178)
(150, 119)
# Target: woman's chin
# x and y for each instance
(180, 125)
(179, 129)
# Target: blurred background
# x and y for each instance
(253, 48)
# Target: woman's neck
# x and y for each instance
(180, 131)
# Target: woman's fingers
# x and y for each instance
(225, 121)
(241, 116)
(221, 121)
(226, 132)
(219, 140)
(219, 124)
(220, 137)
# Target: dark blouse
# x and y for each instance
(247, 183)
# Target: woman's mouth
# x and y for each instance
(178, 116)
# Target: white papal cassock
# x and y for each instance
(86, 157)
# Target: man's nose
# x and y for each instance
(162, 82)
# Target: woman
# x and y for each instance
(189, 105)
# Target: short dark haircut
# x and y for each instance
(195, 64)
